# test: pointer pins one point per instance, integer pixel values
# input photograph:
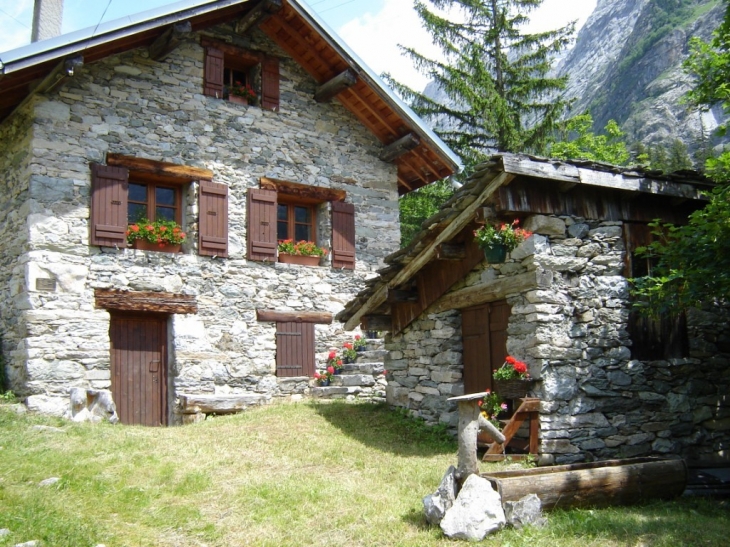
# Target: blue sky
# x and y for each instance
(372, 28)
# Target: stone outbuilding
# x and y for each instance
(137, 118)
(610, 382)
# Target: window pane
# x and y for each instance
(302, 214)
(303, 232)
(137, 192)
(281, 212)
(136, 212)
(165, 196)
(281, 231)
(164, 213)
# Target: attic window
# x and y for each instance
(227, 66)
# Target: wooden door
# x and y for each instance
(484, 334)
(139, 368)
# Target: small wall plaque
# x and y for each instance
(45, 284)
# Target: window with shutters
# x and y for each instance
(285, 210)
(121, 196)
(228, 68)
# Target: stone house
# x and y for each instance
(134, 119)
(610, 383)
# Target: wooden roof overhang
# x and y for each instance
(419, 277)
(297, 30)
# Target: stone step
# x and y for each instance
(362, 380)
(363, 368)
(334, 392)
(372, 356)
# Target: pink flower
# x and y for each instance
(331, 370)
(332, 355)
(503, 406)
(357, 337)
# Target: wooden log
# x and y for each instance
(159, 168)
(396, 149)
(218, 404)
(613, 482)
(168, 41)
(491, 429)
(322, 318)
(260, 13)
(469, 415)
(157, 302)
(313, 194)
(336, 85)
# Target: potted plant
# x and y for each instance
(305, 253)
(348, 353)
(497, 241)
(241, 94)
(359, 343)
(160, 235)
(334, 362)
(323, 379)
(512, 380)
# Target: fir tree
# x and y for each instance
(495, 77)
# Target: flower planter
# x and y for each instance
(495, 254)
(237, 99)
(299, 259)
(144, 245)
(323, 383)
(512, 389)
(338, 370)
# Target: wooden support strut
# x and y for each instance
(400, 147)
(336, 85)
(157, 302)
(168, 41)
(528, 409)
(260, 13)
(322, 318)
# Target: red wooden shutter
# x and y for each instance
(213, 73)
(270, 83)
(109, 188)
(261, 224)
(294, 349)
(343, 235)
(213, 221)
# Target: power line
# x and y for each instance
(14, 19)
(338, 6)
(102, 17)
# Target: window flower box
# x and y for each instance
(299, 259)
(144, 245)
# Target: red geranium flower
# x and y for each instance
(520, 367)
(347, 345)
(332, 355)
(331, 370)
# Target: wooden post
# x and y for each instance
(468, 429)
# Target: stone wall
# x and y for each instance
(597, 402)
(128, 104)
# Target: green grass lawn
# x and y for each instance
(285, 474)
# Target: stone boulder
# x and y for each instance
(476, 512)
(527, 511)
(92, 405)
(435, 505)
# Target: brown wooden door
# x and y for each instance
(484, 334)
(139, 368)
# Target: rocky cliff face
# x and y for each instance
(627, 65)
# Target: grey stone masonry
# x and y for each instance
(54, 337)
(597, 401)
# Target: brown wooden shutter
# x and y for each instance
(213, 73)
(213, 221)
(294, 349)
(343, 235)
(261, 224)
(109, 189)
(270, 83)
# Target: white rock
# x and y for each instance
(476, 512)
(49, 481)
(527, 511)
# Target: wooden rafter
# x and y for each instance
(399, 147)
(335, 86)
(169, 40)
(258, 14)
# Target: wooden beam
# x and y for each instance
(398, 148)
(244, 55)
(395, 296)
(339, 83)
(428, 252)
(451, 251)
(377, 322)
(490, 291)
(260, 13)
(302, 191)
(159, 302)
(152, 167)
(322, 318)
(168, 41)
